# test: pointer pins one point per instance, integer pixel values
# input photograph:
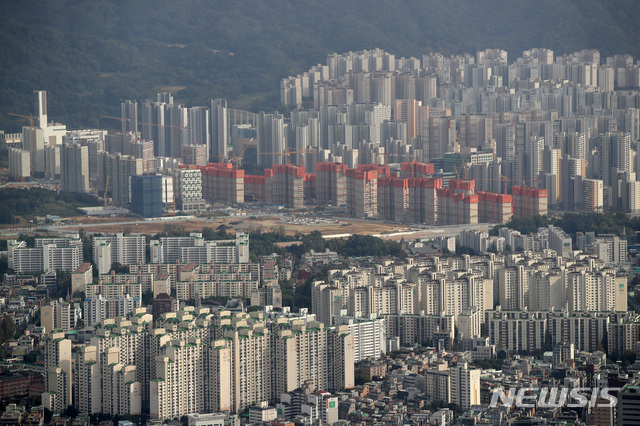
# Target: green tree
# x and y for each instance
(147, 298)
(64, 283)
(605, 341)
(119, 269)
(548, 341)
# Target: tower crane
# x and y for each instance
(122, 120)
(29, 117)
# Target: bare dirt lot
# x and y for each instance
(234, 223)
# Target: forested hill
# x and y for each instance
(91, 54)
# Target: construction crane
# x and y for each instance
(412, 165)
(288, 154)
(29, 117)
(463, 159)
(163, 125)
(522, 181)
(301, 152)
(235, 159)
(377, 155)
(122, 120)
(104, 195)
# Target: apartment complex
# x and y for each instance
(194, 249)
(196, 361)
(49, 255)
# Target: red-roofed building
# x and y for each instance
(331, 184)
(529, 202)
(393, 198)
(284, 184)
(494, 208)
(417, 170)
(466, 186)
(222, 182)
(362, 193)
(254, 187)
(423, 200)
(456, 208)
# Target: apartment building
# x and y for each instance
(49, 255)
(331, 184)
(423, 199)
(99, 308)
(124, 249)
(465, 386)
(369, 335)
(456, 208)
(194, 249)
(60, 315)
(19, 165)
(284, 184)
(223, 182)
(529, 202)
(58, 372)
(362, 193)
(494, 208)
(188, 190)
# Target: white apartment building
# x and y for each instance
(60, 315)
(19, 164)
(49, 255)
(517, 330)
(99, 308)
(465, 386)
(369, 335)
(58, 377)
(124, 249)
(188, 190)
(194, 249)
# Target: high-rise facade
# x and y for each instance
(284, 184)
(362, 193)
(119, 169)
(331, 184)
(74, 168)
(219, 128)
(129, 116)
(146, 195)
(271, 143)
(528, 202)
(465, 386)
(223, 182)
(19, 165)
(58, 372)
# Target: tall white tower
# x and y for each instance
(41, 108)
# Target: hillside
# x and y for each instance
(90, 55)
